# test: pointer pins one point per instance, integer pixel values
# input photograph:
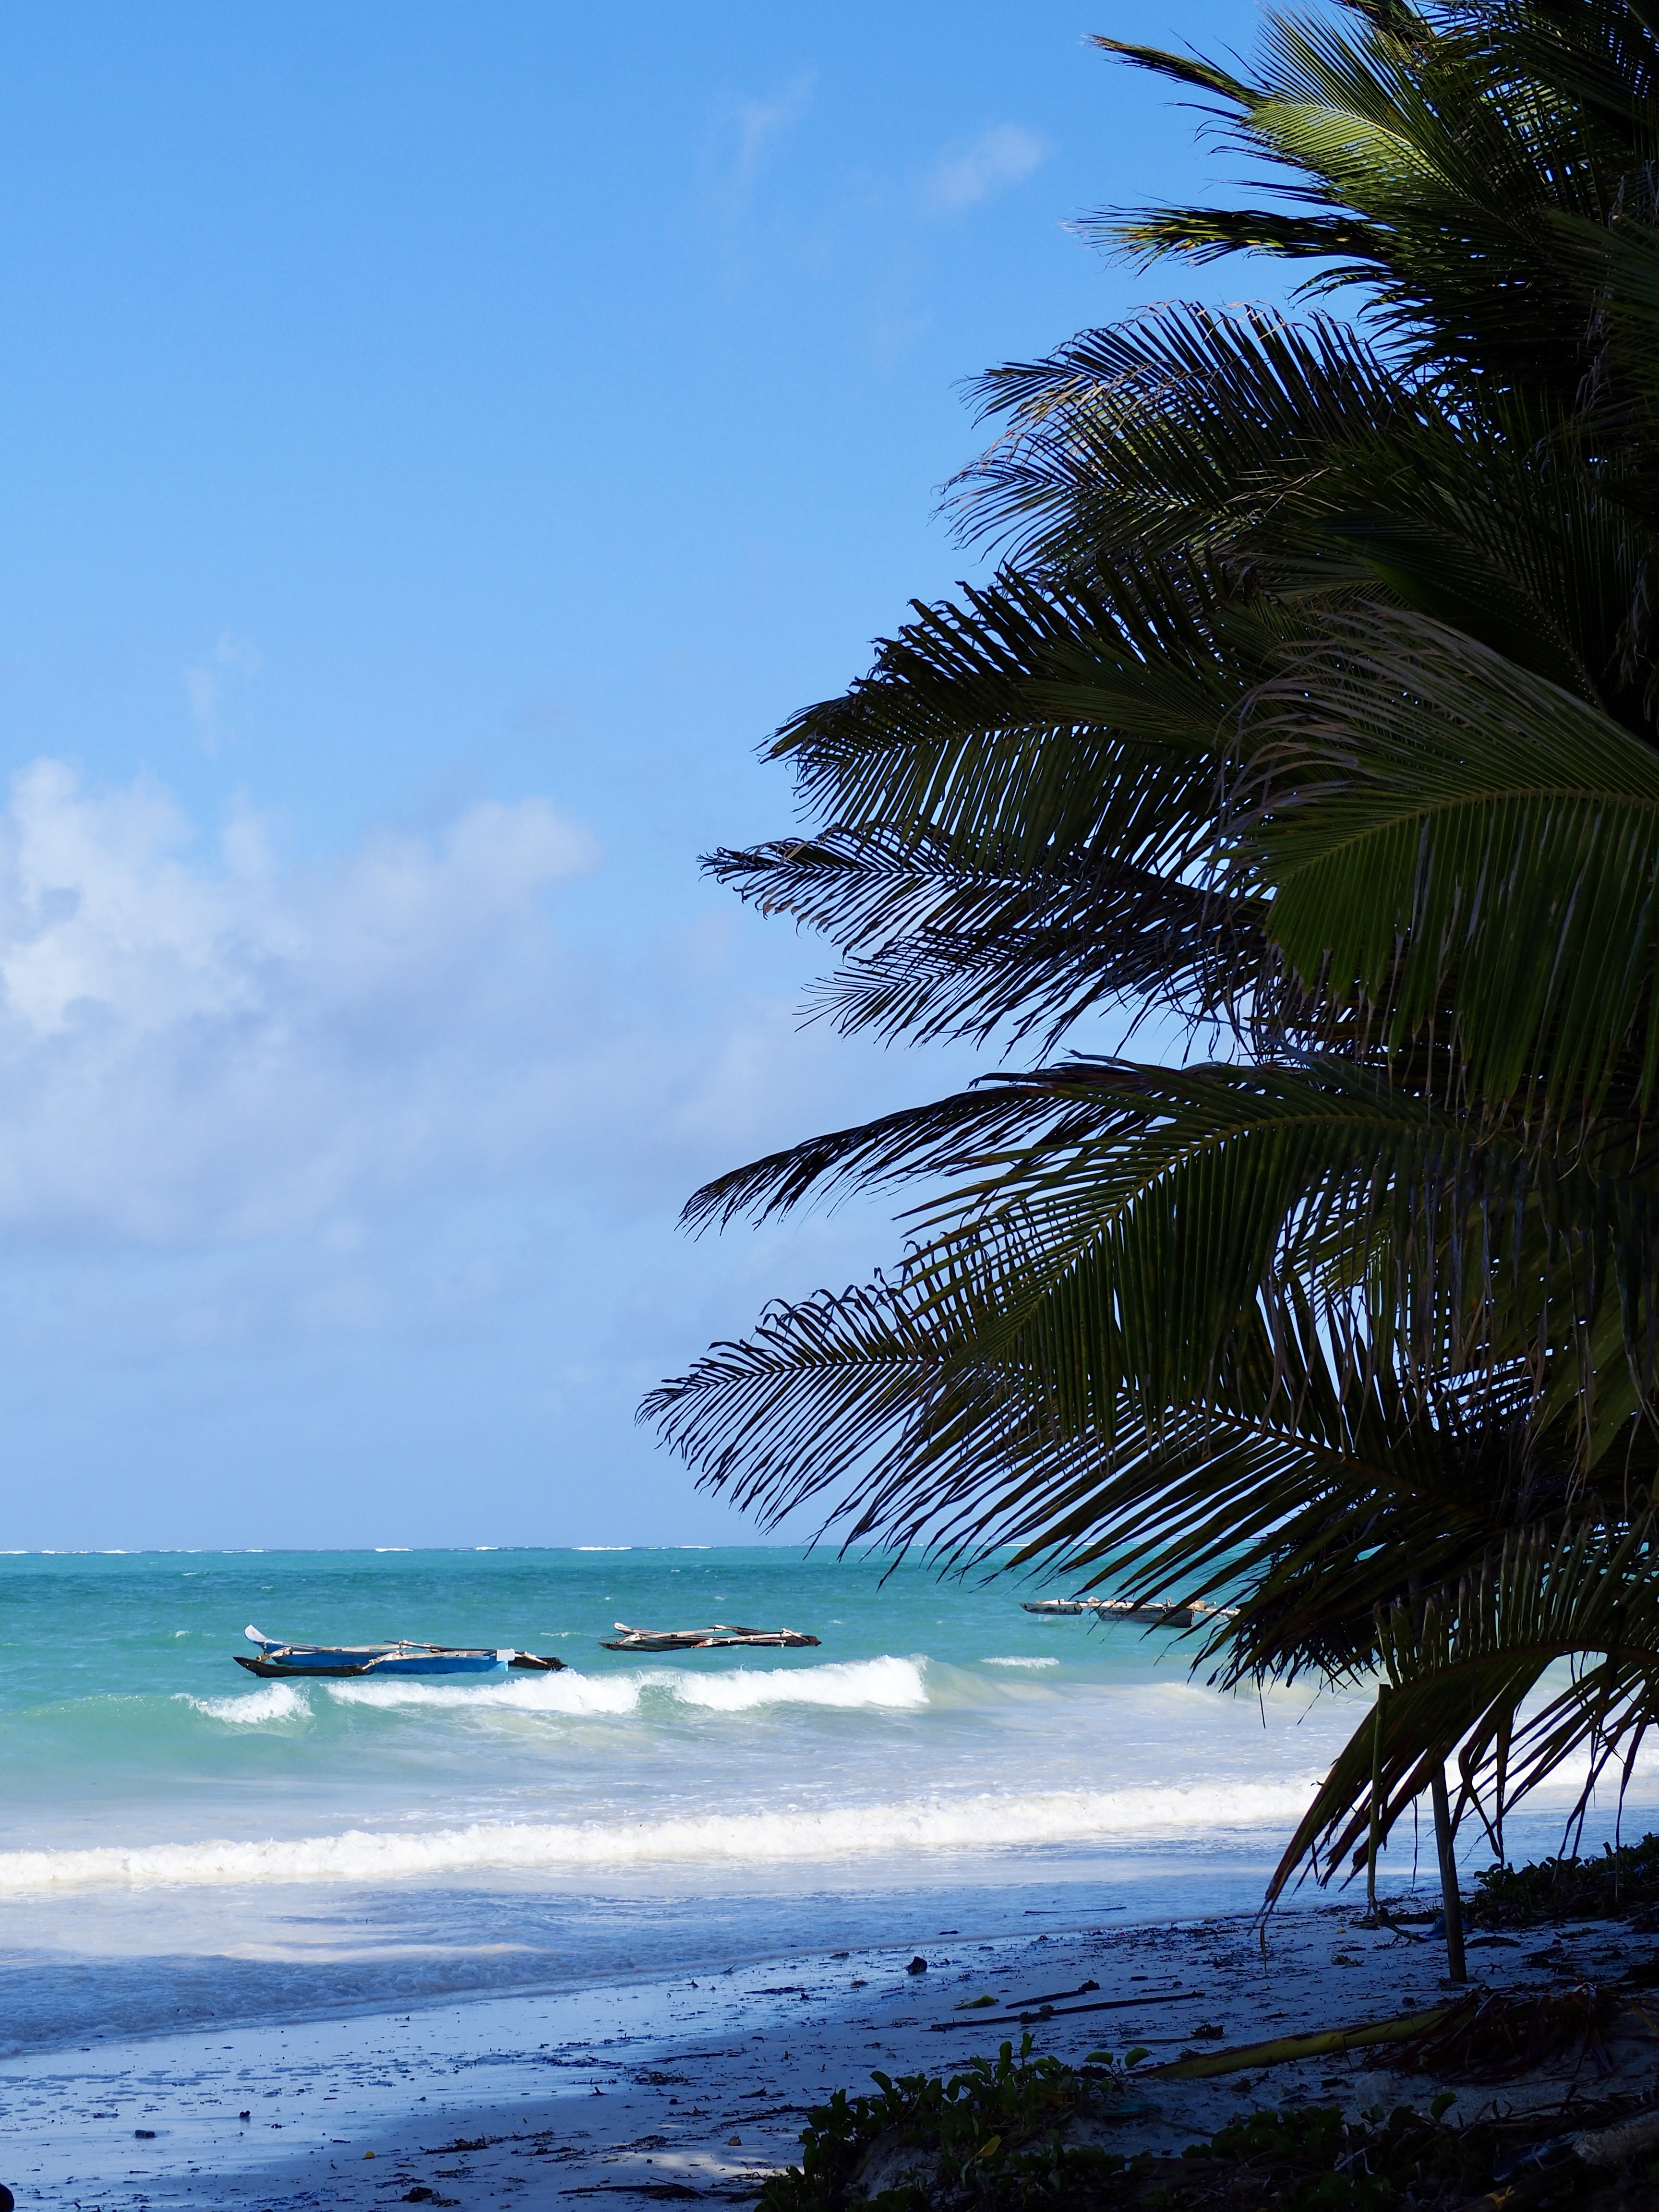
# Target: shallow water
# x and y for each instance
(180, 1842)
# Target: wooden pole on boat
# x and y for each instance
(1451, 1903)
(1376, 1802)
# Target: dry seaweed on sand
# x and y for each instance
(1496, 2035)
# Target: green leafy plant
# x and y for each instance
(992, 2129)
(1624, 1880)
(990, 2138)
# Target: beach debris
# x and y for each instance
(8, 2202)
(917, 1965)
(1603, 2149)
(1045, 2012)
(1283, 2049)
(1493, 2035)
(1056, 1996)
(721, 1635)
(145, 2134)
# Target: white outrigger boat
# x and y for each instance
(719, 1638)
(1126, 1610)
(375, 1659)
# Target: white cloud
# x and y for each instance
(200, 1046)
(965, 175)
(745, 135)
(760, 124)
(205, 683)
(331, 1171)
(208, 1049)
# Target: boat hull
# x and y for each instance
(445, 1661)
(722, 1636)
(469, 1666)
(1125, 1609)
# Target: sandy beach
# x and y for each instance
(698, 2087)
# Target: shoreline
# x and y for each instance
(639, 2087)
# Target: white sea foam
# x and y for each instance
(962, 1823)
(274, 1701)
(569, 1693)
(1019, 1663)
(895, 1684)
(891, 1683)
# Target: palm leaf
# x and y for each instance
(1435, 818)
(1165, 432)
(1461, 1668)
(1425, 163)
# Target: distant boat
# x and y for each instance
(721, 1635)
(1125, 1609)
(340, 1659)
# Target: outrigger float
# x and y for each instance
(287, 1660)
(1123, 1609)
(717, 1638)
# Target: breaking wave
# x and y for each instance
(964, 1823)
(892, 1683)
(273, 1701)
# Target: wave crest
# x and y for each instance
(890, 1683)
(271, 1701)
(965, 1823)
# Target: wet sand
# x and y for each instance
(697, 2087)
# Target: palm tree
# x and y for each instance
(1313, 701)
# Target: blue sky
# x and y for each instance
(438, 444)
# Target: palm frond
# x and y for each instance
(1435, 818)
(1167, 431)
(1461, 1665)
(938, 947)
(1296, 1493)
(1424, 164)
(1321, 695)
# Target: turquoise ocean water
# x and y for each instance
(180, 1842)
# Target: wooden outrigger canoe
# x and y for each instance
(719, 1638)
(451, 1660)
(1123, 1608)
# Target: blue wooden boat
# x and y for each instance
(448, 1660)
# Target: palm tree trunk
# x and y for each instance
(1451, 1902)
(1376, 1802)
